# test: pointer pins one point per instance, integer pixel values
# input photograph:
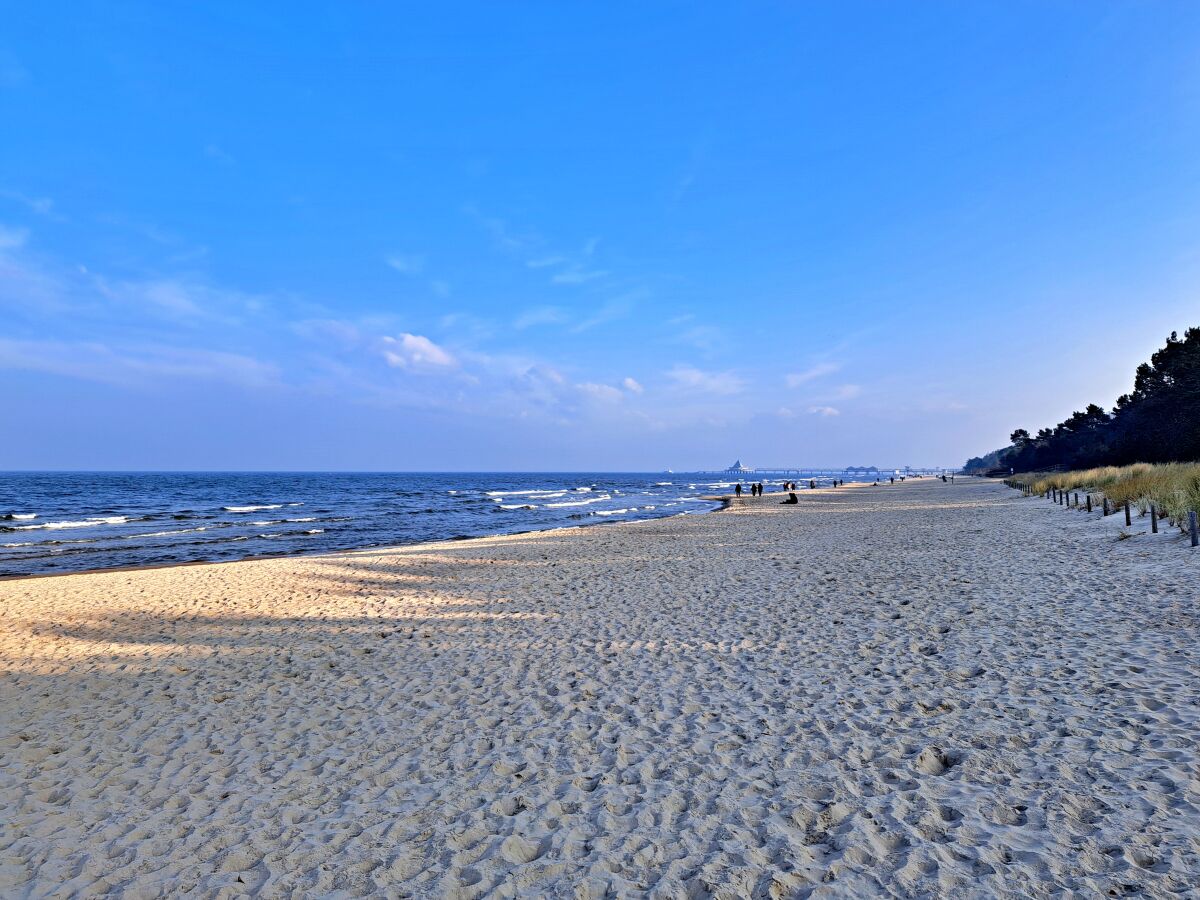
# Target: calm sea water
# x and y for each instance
(62, 522)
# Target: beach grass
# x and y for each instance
(1173, 488)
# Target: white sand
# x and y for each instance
(919, 690)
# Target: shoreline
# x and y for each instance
(872, 693)
(302, 554)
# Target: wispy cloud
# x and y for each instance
(632, 385)
(406, 263)
(605, 393)
(12, 238)
(717, 383)
(577, 275)
(212, 151)
(609, 311)
(812, 373)
(181, 299)
(43, 206)
(12, 73)
(542, 315)
(138, 365)
(416, 353)
(702, 337)
(824, 411)
(502, 233)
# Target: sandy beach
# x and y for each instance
(912, 690)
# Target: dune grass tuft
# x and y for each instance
(1173, 488)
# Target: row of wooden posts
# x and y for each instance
(1063, 498)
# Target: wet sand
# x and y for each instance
(911, 690)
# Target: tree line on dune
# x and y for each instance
(1158, 421)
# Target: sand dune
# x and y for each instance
(918, 690)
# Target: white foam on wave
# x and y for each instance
(167, 533)
(315, 531)
(305, 519)
(583, 490)
(599, 499)
(255, 508)
(610, 512)
(86, 523)
(517, 506)
(44, 543)
(538, 491)
(21, 517)
(663, 483)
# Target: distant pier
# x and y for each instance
(855, 472)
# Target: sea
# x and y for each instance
(53, 522)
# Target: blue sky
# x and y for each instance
(584, 236)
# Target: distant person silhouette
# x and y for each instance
(737, 489)
(791, 499)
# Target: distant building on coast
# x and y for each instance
(737, 468)
(862, 470)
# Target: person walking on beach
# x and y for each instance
(737, 489)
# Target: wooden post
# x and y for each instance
(1128, 521)
(1089, 496)
(1106, 506)
(1153, 519)
(1192, 527)
(1077, 499)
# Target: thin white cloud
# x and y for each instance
(12, 73)
(43, 206)
(406, 263)
(345, 334)
(812, 373)
(137, 365)
(212, 151)
(181, 299)
(824, 411)
(577, 275)
(718, 383)
(611, 310)
(603, 392)
(12, 238)
(632, 385)
(542, 315)
(416, 353)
